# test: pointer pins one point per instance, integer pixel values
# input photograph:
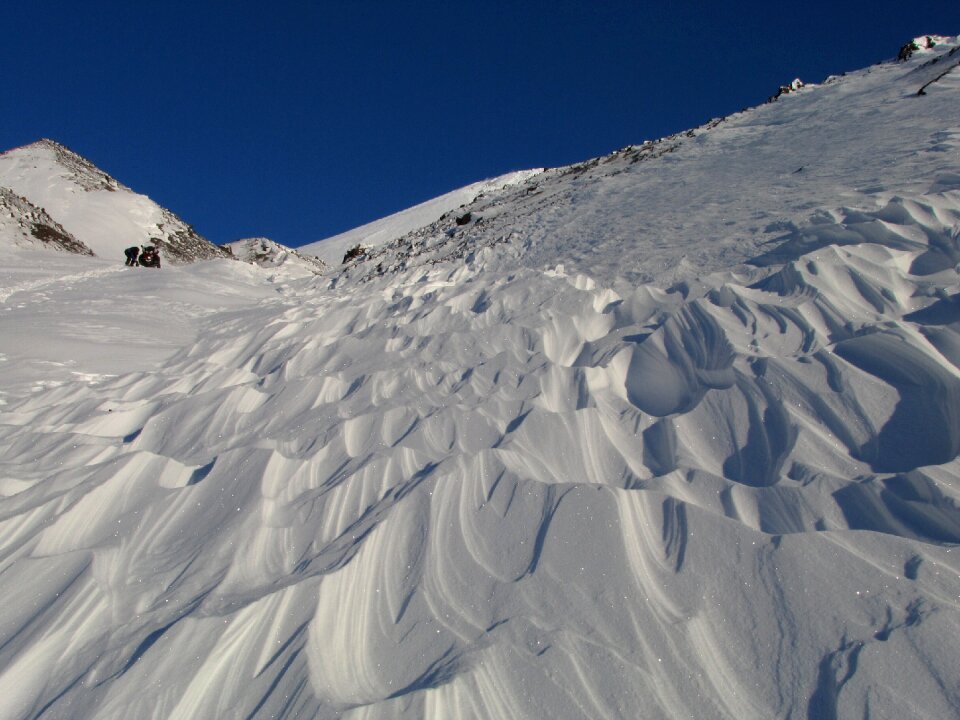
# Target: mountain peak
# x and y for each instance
(95, 208)
(79, 170)
(48, 143)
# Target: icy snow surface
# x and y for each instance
(673, 433)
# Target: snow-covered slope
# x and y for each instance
(724, 194)
(386, 230)
(673, 433)
(100, 212)
(270, 254)
(24, 224)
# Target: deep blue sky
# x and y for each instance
(297, 120)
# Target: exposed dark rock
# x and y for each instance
(30, 224)
(357, 251)
(911, 47)
(785, 89)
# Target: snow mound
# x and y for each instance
(272, 255)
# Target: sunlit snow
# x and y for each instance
(671, 433)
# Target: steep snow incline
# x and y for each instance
(779, 177)
(99, 211)
(386, 230)
(495, 487)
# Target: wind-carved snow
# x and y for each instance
(517, 481)
(718, 195)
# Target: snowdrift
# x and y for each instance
(672, 433)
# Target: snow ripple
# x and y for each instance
(516, 493)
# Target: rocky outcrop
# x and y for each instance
(179, 242)
(25, 224)
(786, 89)
(270, 254)
(921, 43)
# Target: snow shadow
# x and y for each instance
(907, 505)
(924, 428)
(944, 311)
(802, 241)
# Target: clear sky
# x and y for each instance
(300, 119)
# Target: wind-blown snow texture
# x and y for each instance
(673, 433)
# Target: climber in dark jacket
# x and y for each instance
(132, 253)
(150, 257)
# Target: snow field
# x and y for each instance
(525, 483)
(443, 479)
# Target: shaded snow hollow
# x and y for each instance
(671, 433)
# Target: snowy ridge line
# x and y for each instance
(94, 208)
(449, 238)
(382, 232)
(790, 161)
(439, 241)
